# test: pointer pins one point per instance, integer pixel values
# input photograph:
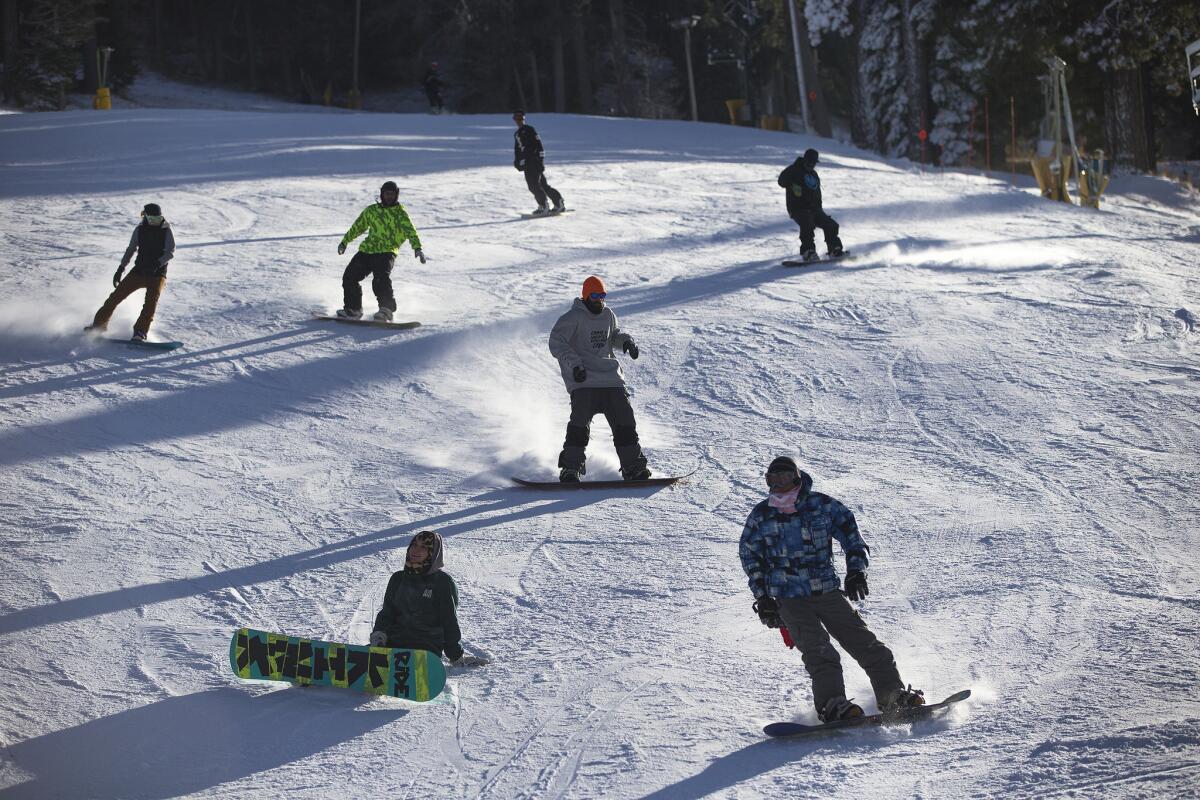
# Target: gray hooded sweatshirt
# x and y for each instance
(581, 338)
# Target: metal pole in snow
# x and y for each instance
(971, 139)
(799, 67)
(1012, 110)
(987, 136)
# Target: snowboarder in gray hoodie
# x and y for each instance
(583, 341)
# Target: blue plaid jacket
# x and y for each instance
(791, 555)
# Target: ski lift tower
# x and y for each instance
(1052, 164)
(1193, 62)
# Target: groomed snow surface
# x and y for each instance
(1003, 389)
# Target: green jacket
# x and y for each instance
(421, 612)
(389, 228)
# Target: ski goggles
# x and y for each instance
(153, 219)
(597, 295)
(781, 478)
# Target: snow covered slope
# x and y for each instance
(1003, 389)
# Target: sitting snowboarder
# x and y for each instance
(786, 550)
(154, 244)
(420, 606)
(803, 187)
(583, 340)
(387, 226)
(530, 158)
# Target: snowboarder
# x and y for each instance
(786, 550)
(803, 187)
(583, 340)
(420, 606)
(387, 226)
(155, 245)
(433, 87)
(530, 158)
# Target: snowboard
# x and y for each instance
(551, 214)
(802, 263)
(145, 345)
(600, 484)
(897, 718)
(396, 672)
(374, 323)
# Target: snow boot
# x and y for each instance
(901, 699)
(568, 475)
(541, 210)
(641, 473)
(383, 315)
(810, 255)
(350, 313)
(839, 708)
(138, 336)
(560, 206)
(835, 251)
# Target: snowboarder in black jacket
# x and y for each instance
(420, 607)
(803, 187)
(433, 88)
(528, 157)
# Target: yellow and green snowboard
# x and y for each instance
(411, 674)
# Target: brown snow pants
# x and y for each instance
(812, 621)
(153, 284)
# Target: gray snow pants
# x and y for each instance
(812, 620)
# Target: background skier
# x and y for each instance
(583, 340)
(803, 187)
(387, 226)
(528, 157)
(155, 245)
(420, 606)
(433, 87)
(786, 550)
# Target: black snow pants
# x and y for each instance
(378, 265)
(809, 220)
(535, 179)
(613, 403)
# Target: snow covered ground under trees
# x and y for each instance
(1003, 389)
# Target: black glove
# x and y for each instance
(419, 253)
(341, 248)
(768, 612)
(856, 585)
(631, 348)
(519, 166)
(580, 374)
(117, 276)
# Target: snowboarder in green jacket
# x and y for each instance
(387, 226)
(420, 607)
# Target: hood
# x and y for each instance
(435, 561)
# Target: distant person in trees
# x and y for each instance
(420, 606)
(803, 187)
(154, 244)
(787, 551)
(583, 341)
(433, 87)
(530, 158)
(387, 226)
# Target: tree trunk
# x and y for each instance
(1128, 124)
(560, 77)
(583, 72)
(916, 81)
(157, 46)
(537, 82)
(251, 57)
(10, 51)
(864, 128)
(620, 50)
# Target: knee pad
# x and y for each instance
(577, 436)
(625, 435)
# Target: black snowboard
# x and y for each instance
(548, 214)
(374, 323)
(600, 484)
(898, 718)
(801, 263)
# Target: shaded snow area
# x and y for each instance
(1002, 389)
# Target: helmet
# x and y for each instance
(152, 209)
(518, 115)
(389, 186)
(810, 157)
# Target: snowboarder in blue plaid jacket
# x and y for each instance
(786, 550)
